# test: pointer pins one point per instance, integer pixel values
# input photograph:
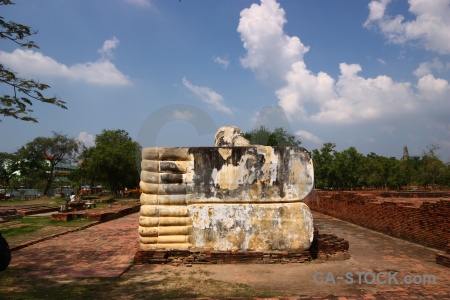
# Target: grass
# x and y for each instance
(22, 230)
(43, 201)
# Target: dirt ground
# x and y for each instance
(371, 253)
(97, 263)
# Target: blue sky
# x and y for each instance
(369, 74)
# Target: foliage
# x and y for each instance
(37, 159)
(24, 91)
(6, 169)
(349, 169)
(325, 175)
(85, 173)
(433, 168)
(278, 137)
(112, 160)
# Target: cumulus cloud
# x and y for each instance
(222, 61)
(305, 135)
(270, 52)
(87, 139)
(320, 98)
(214, 100)
(430, 26)
(428, 67)
(434, 89)
(33, 63)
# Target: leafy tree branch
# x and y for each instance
(23, 91)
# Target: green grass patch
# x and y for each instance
(16, 231)
(33, 227)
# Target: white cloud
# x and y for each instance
(308, 136)
(108, 46)
(430, 27)
(86, 138)
(377, 9)
(141, 3)
(434, 89)
(270, 53)
(209, 96)
(381, 61)
(427, 67)
(350, 98)
(223, 61)
(182, 115)
(32, 63)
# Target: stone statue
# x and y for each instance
(234, 196)
(230, 136)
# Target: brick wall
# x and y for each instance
(444, 258)
(426, 224)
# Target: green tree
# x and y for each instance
(324, 177)
(379, 171)
(7, 169)
(432, 168)
(23, 91)
(85, 173)
(348, 168)
(114, 159)
(39, 157)
(278, 137)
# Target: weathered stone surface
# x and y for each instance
(226, 198)
(257, 227)
(251, 174)
(230, 136)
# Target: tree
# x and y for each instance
(323, 166)
(85, 173)
(23, 91)
(39, 157)
(348, 167)
(114, 159)
(278, 137)
(432, 168)
(7, 168)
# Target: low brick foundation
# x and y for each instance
(324, 247)
(99, 215)
(444, 258)
(418, 217)
(426, 222)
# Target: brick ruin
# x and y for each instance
(419, 217)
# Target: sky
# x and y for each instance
(369, 74)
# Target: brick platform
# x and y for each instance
(100, 215)
(324, 247)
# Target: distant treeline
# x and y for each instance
(349, 169)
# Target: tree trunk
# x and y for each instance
(46, 189)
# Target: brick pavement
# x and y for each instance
(107, 250)
(104, 250)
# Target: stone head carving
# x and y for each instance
(230, 136)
